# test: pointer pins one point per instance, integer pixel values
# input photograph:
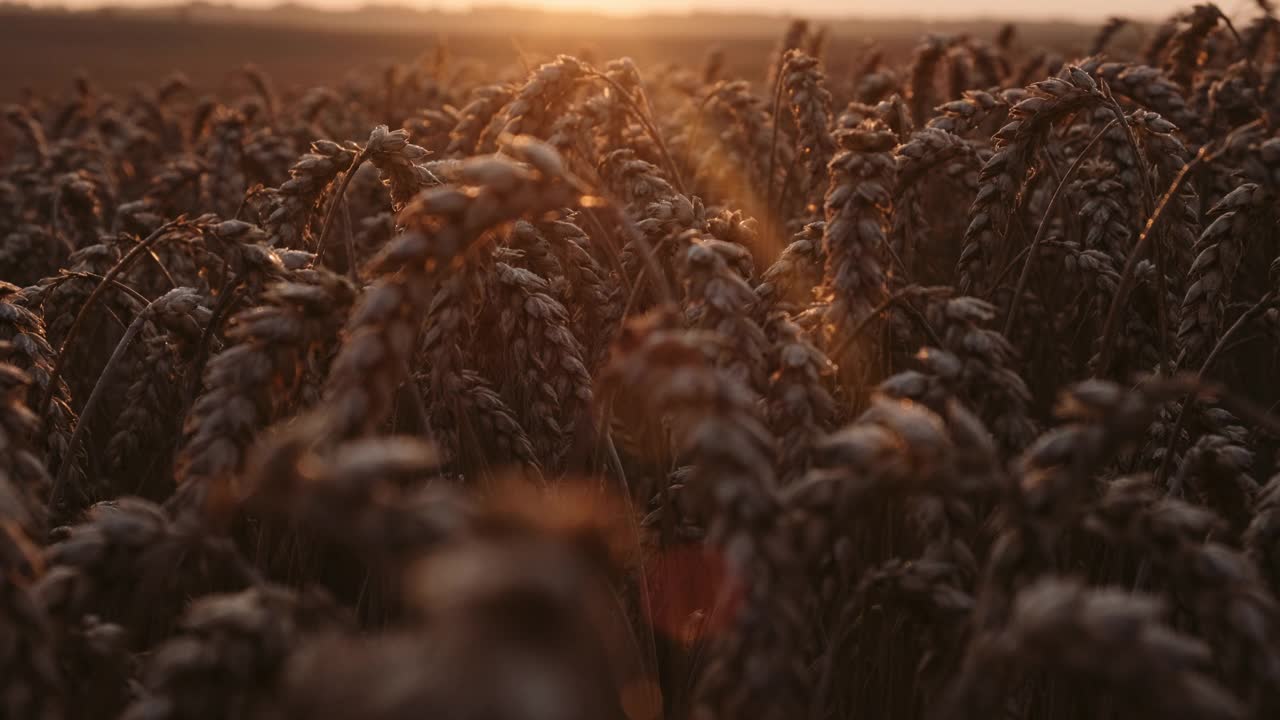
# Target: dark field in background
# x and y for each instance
(299, 46)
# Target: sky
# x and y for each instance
(1070, 9)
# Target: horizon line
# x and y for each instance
(531, 6)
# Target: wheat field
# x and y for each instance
(939, 387)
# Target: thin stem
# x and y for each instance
(629, 228)
(642, 116)
(785, 193)
(226, 301)
(335, 202)
(846, 624)
(898, 297)
(86, 414)
(127, 290)
(411, 388)
(1044, 226)
(615, 464)
(1204, 155)
(610, 245)
(646, 598)
(1128, 275)
(352, 272)
(1148, 200)
(122, 265)
(1017, 260)
(163, 270)
(1114, 106)
(1238, 405)
(1015, 226)
(773, 142)
(696, 133)
(1162, 311)
(1240, 44)
(1248, 315)
(54, 230)
(634, 296)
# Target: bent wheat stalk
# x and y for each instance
(86, 414)
(107, 281)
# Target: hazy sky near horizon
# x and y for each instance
(1071, 9)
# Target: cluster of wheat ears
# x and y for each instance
(945, 390)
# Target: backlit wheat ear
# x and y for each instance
(487, 101)
(30, 253)
(858, 209)
(265, 88)
(977, 364)
(223, 188)
(962, 116)
(636, 181)
(993, 215)
(732, 485)
(273, 349)
(31, 131)
(29, 351)
(927, 152)
(1106, 33)
(475, 419)
(1263, 533)
(741, 129)
(133, 540)
(544, 362)
(175, 189)
(364, 478)
(227, 645)
(533, 106)
(79, 201)
(792, 39)
(1154, 48)
(924, 65)
(398, 162)
(1065, 627)
(1218, 255)
(1184, 46)
(150, 374)
(179, 307)
(719, 299)
(810, 103)
(24, 481)
(83, 299)
(1170, 535)
(296, 199)
(597, 306)
(1150, 88)
(440, 226)
(800, 408)
(789, 283)
(35, 687)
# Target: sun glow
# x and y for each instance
(1081, 9)
(1091, 10)
(614, 7)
